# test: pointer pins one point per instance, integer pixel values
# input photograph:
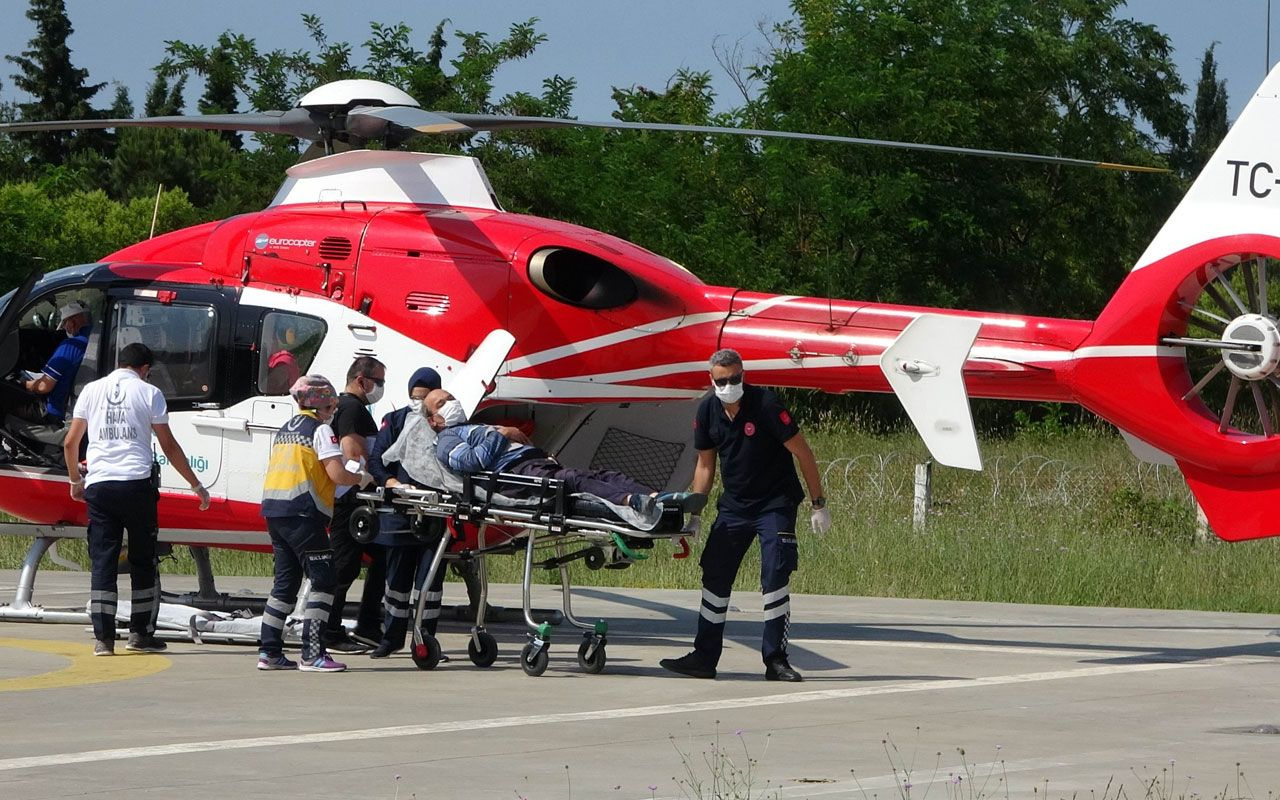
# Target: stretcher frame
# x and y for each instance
(554, 521)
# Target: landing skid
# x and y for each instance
(206, 597)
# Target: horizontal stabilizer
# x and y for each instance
(469, 384)
(1238, 507)
(925, 368)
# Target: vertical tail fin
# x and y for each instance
(1186, 356)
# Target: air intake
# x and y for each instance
(335, 248)
(427, 303)
(580, 279)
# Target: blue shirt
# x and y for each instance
(62, 367)
(477, 448)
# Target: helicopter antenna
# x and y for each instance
(155, 212)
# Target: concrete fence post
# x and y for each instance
(1204, 534)
(923, 496)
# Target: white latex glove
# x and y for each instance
(203, 494)
(692, 526)
(820, 520)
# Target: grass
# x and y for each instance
(1065, 518)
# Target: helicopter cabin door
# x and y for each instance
(188, 329)
(314, 252)
(433, 276)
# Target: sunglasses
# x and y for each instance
(375, 381)
(732, 380)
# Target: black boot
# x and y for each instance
(690, 665)
(777, 669)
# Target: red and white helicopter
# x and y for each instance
(408, 256)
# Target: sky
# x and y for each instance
(600, 43)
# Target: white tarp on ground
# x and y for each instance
(216, 625)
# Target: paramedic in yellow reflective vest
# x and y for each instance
(305, 468)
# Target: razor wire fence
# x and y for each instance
(880, 482)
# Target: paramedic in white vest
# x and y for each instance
(119, 413)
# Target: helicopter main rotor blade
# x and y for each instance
(294, 122)
(371, 121)
(496, 122)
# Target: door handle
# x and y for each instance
(239, 424)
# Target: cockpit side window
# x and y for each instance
(41, 330)
(182, 338)
(287, 345)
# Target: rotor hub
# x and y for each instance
(1252, 329)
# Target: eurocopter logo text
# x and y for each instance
(262, 241)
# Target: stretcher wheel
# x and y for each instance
(426, 654)
(592, 664)
(594, 559)
(488, 651)
(534, 663)
(364, 524)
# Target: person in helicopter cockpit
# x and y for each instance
(43, 416)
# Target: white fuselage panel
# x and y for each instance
(387, 176)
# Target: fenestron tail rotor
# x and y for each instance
(1232, 344)
(360, 110)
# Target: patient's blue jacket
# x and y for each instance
(479, 448)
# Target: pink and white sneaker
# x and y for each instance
(323, 663)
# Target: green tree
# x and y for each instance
(77, 227)
(146, 158)
(57, 87)
(1210, 118)
(122, 104)
(220, 88)
(1064, 77)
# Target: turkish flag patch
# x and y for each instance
(784, 416)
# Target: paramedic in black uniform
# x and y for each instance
(395, 530)
(756, 439)
(366, 380)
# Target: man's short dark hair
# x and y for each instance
(135, 355)
(364, 367)
(727, 357)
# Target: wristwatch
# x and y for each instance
(818, 502)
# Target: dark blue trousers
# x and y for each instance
(608, 484)
(114, 507)
(301, 546)
(730, 538)
(407, 563)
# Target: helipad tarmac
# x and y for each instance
(1068, 699)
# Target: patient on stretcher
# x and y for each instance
(437, 448)
(465, 447)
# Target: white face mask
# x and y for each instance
(372, 398)
(729, 393)
(415, 405)
(452, 413)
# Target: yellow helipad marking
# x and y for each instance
(84, 669)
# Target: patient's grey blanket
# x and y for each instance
(415, 449)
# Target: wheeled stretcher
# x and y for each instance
(503, 514)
